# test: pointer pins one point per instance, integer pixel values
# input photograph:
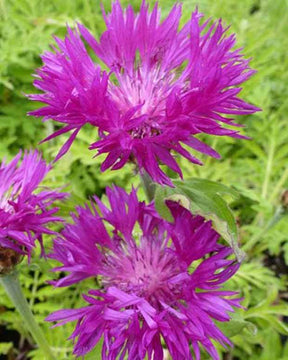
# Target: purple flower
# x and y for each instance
(155, 285)
(25, 209)
(164, 87)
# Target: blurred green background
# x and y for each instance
(257, 168)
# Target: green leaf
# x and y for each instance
(208, 186)
(202, 197)
(161, 195)
(236, 325)
(5, 347)
(271, 321)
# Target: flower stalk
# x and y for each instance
(13, 289)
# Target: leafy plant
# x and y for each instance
(257, 170)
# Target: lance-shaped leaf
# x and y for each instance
(203, 197)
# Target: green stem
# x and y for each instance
(13, 289)
(269, 166)
(279, 185)
(258, 220)
(148, 185)
(273, 221)
(3, 12)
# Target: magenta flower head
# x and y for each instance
(25, 209)
(156, 288)
(165, 85)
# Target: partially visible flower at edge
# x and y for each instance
(164, 87)
(160, 281)
(25, 208)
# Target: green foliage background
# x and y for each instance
(257, 168)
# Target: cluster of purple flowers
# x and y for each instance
(160, 281)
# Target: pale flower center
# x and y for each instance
(148, 88)
(147, 273)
